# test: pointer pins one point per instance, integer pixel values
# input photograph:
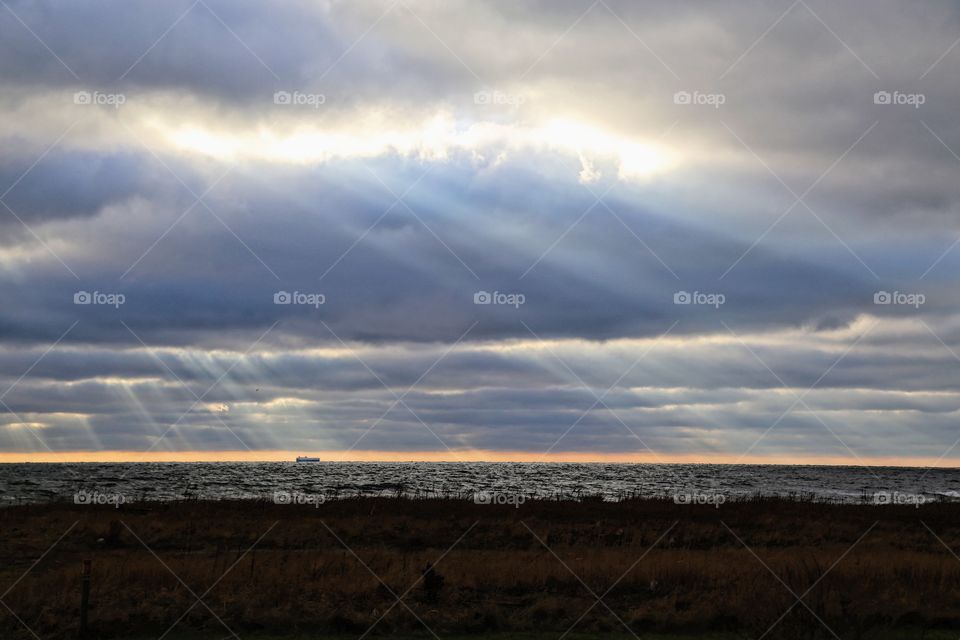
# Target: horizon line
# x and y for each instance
(472, 455)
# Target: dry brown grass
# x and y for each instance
(499, 577)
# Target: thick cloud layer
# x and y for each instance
(304, 208)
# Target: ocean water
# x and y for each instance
(33, 483)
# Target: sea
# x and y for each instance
(28, 483)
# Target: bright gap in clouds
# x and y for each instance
(432, 139)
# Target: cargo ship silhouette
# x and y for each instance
(307, 459)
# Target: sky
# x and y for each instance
(462, 230)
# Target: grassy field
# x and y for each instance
(486, 636)
(898, 634)
(260, 570)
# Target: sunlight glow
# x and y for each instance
(433, 139)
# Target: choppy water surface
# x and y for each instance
(24, 483)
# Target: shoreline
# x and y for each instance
(466, 457)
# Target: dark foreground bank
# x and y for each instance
(381, 566)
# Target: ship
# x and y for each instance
(307, 459)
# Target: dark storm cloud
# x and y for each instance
(78, 184)
(520, 399)
(248, 51)
(414, 274)
(107, 44)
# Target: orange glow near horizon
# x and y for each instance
(472, 455)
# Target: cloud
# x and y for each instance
(721, 394)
